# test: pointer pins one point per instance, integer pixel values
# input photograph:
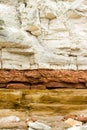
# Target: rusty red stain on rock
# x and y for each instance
(43, 78)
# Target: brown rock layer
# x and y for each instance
(42, 79)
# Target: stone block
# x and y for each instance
(81, 61)
(36, 33)
(50, 15)
(72, 122)
(14, 60)
(33, 27)
(9, 15)
(17, 86)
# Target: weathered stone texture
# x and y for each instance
(42, 79)
(49, 34)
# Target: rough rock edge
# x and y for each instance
(43, 79)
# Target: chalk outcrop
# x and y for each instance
(47, 34)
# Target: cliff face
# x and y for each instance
(37, 36)
(43, 79)
(49, 34)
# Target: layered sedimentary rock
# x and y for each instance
(43, 34)
(42, 79)
(49, 34)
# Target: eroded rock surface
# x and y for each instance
(42, 79)
(43, 34)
